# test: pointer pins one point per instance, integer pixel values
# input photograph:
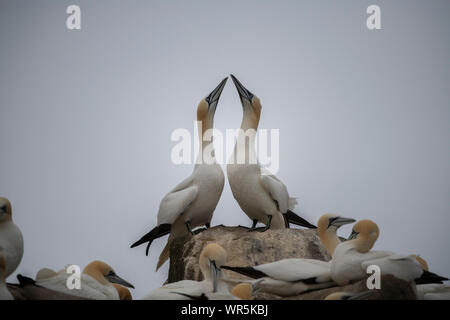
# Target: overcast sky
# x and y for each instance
(86, 117)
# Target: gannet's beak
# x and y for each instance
(353, 235)
(256, 286)
(340, 221)
(243, 92)
(215, 271)
(214, 96)
(114, 278)
(358, 296)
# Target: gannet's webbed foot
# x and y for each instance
(188, 227)
(253, 228)
(262, 229)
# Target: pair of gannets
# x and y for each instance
(213, 287)
(352, 258)
(263, 197)
(289, 277)
(98, 281)
(11, 240)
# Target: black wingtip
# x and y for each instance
(25, 281)
(428, 277)
(246, 271)
(295, 219)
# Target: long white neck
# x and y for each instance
(244, 150)
(206, 152)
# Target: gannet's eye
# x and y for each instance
(111, 273)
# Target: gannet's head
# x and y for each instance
(5, 210)
(365, 233)
(2, 268)
(243, 291)
(422, 261)
(104, 274)
(212, 258)
(124, 293)
(348, 295)
(250, 103)
(207, 106)
(327, 227)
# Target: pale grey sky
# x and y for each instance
(86, 117)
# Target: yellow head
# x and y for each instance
(5, 210)
(124, 293)
(251, 105)
(104, 274)
(422, 261)
(327, 227)
(243, 291)
(364, 234)
(211, 259)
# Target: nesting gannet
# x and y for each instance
(4, 292)
(261, 195)
(211, 259)
(11, 240)
(352, 258)
(431, 291)
(191, 203)
(327, 227)
(348, 295)
(96, 282)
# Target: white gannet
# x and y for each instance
(211, 259)
(4, 292)
(241, 291)
(348, 295)
(192, 203)
(11, 240)
(96, 282)
(431, 291)
(292, 276)
(352, 258)
(327, 227)
(261, 195)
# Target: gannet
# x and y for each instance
(327, 227)
(211, 259)
(11, 240)
(124, 293)
(96, 282)
(352, 258)
(431, 291)
(4, 292)
(261, 195)
(241, 291)
(348, 295)
(193, 201)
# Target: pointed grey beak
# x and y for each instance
(361, 295)
(256, 286)
(353, 235)
(213, 98)
(243, 92)
(340, 221)
(215, 271)
(114, 278)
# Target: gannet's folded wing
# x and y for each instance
(277, 191)
(309, 270)
(174, 203)
(400, 266)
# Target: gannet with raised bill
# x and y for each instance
(96, 281)
(192, 203)
(349, 295)
(212, 257)
(4, 292)
(260, 194)
(11, 240)
(289, 277)
(327, 227)
(352, 258)
(431, 291)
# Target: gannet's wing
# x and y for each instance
(400, 266)
(277, 190)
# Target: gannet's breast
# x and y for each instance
(11, 245)
(4, 292)
(168, 291)
(90, 288)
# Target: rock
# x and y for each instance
(244, 249)
(253, 248)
